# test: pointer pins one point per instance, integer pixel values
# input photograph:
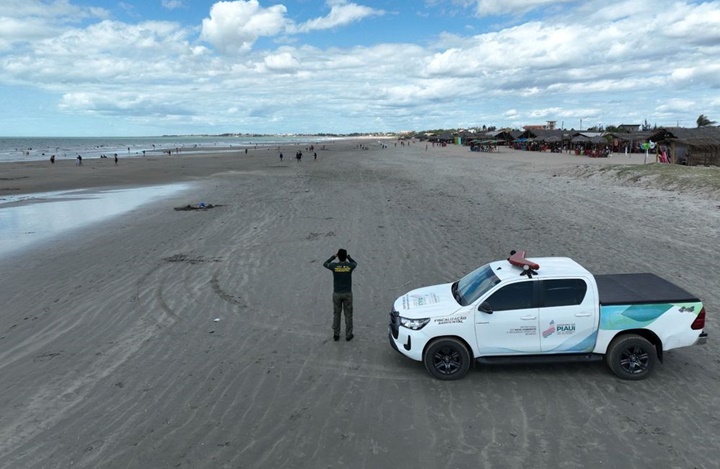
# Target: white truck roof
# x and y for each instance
(550, 267)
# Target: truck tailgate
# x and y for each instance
(626, 289)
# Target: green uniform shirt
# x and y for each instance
(342, 274)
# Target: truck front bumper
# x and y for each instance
(392, 340)
(406, 341)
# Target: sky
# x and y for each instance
(169, 67)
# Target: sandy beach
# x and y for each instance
(202, 339)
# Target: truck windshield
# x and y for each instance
(474, 285)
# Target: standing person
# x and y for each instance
(281, 157)
(52, 159)
(315, 154)
(342, 292)
(116, 159)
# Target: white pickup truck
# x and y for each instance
(545, 309)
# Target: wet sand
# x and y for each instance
(166, 338)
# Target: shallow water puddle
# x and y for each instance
(31, 218)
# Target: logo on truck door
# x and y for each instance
(559, 329)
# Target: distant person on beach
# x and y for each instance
(79, 160)
(315, 156)
(116, 159)
(52, 159)
(342, 292)
(281, 157)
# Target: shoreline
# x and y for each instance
(30, 149)
(28, 177)
(20, 178)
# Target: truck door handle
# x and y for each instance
(528, 318)
(583, 315)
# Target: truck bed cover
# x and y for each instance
(624, 289)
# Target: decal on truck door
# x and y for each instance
(559, 329)
(527, 330)
(549, 331)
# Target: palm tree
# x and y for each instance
(703, 121)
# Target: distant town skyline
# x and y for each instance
(179, 67)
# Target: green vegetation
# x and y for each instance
(693, 179)
(703, 121)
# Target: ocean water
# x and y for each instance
(42, 148)
(32, 219)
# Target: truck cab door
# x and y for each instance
(507, 322)
(568, 316)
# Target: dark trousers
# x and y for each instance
(343, 301)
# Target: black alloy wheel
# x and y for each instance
(447, 359)
(631, 357)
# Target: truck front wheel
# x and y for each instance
(447, 359)
(631, 357)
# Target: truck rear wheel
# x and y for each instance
(631, 357)
(447, 359)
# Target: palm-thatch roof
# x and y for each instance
(699, 145)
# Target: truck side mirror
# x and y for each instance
(485, 307)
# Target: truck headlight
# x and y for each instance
(414, 324)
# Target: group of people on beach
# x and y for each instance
(299, 154)
(79, 159)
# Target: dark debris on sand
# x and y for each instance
(197, 207)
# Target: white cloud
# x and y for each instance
(699, 23)
(677, 105)
(140, 104)
(112, 52)
(282, 62)
(235, 26)
(173, 4)
(696, 74)
(341, 13)
(546, 112)
(42, 9)
(23, 21)
(512, 7)
(113, 39)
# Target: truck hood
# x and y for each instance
(427, 302)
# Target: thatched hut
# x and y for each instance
(628, 141)
(693, 146)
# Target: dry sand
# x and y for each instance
(110, 355)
